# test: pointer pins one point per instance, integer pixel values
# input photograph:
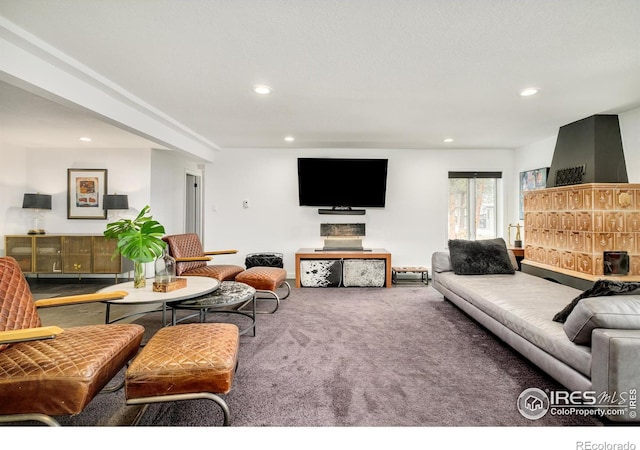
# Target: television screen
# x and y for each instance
(341, 182)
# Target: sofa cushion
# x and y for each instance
(524, 304)
(481, 257)
(600, 288)
(617, 312)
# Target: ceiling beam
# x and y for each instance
(33, 65)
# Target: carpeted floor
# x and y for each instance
(359, 357)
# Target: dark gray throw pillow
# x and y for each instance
(600, 288)
(481, 257)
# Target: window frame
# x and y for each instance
(471, 219)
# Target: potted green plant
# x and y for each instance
(139, 240)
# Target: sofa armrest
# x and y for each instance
(29, 334)
(81, 298)
(615, 367)
(221, 252)
(193, 258)
(441, 262)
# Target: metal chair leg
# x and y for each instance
(273, 294)
(43, 418)
(180, 397)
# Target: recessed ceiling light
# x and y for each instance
(289, 139)
(447, 140)
(85, 139)
(529, 91)
(262, 89)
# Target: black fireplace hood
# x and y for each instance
(589, 151)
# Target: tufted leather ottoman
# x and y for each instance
(266, 280)
(185, 362)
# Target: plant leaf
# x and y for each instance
(139, 239)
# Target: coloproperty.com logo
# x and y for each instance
(534, 403)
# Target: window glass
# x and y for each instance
(473, 205)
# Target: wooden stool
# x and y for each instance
(266, 280)
(419, 269)
(184, 362)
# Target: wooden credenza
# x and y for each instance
(375, 254)
(65, 254)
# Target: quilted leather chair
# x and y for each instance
(48, 371)
(192, 260)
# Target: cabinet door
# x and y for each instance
(20, 248)
(48, 254)
(103, 251)
(77, 254)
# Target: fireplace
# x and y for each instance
(589, 209)
(568, 229)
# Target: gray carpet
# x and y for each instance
(346, 357)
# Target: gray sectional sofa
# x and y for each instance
(597, 348)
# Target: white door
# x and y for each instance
(193, 202)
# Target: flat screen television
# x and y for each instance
(342, 182)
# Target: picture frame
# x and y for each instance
(85, 189)
(532, 180)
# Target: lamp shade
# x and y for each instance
(115, 201)
(36, 201)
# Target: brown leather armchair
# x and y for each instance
(49, 371)
(192, 260)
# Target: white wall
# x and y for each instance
(12, 188)
(129, 171)
(168, 188)
(630, 131)
(411, 227)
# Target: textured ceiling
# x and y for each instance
(358, 73)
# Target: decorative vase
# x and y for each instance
(139, 280)
(165, 267)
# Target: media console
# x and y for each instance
(379, 267)
(65, 254)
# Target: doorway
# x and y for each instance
(193, 204)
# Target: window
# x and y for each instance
(473, 200)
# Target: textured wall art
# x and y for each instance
(531, 180)
(342, 229)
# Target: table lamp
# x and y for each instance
(36, 202)
(115, 202)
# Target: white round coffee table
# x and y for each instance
(196, 287)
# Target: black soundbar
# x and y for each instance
(343, 212)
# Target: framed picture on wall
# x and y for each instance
(85, 188)
(532, 180)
